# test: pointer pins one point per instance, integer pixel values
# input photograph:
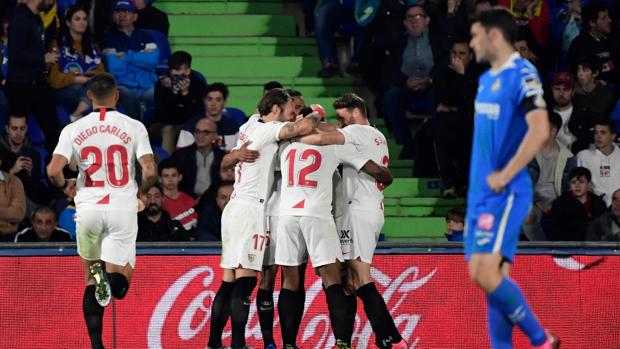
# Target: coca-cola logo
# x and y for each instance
(182, 314)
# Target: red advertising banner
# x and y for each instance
(431, 298)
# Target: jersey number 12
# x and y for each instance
(312, 167)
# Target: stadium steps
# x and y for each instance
(218, 7)
(232, 25)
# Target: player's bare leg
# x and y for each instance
(220, 309)
(245, 281)
(334, 292)
(264, 304)
(386, 333)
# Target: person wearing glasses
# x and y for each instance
(199, 163)
(408, 75)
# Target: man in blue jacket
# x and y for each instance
(131, 55)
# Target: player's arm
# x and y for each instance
(149, 172)
(536, 136)
(324, 138)
(55, 170)
(300, 127)
(237, 155)
(378, 172)
(325, 127)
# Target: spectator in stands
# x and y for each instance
(533, 14)
(210, 217)
(454, 93)
(44, 228)
(23, 161)
(51, 21)
(155, 224)
(12, 203)
(150, 17)
(549, 170)
(99, 17)
(328, 16)
(270, 86)
(594, 41)
(26, 87)
(178, 97)
(603, 161)
(565, 27)
(131, 55)
(455, 224)
(178, 204)
(607, 226)
(214, 110)
(591, 94)
(563, 90)
(410, 76)
(200, 162)
(572, 212)
(482, 5)
(80, 59)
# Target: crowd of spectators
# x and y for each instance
(414, 55)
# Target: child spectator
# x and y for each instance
(591, 94)
(572, 212)
(179, 205)
(455, 224)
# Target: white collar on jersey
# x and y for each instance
(510, 62)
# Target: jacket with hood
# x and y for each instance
(564, 164)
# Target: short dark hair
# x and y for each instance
(351, 101)
(590, 62)
(590, 12)
(16, 116)
(416, 4)
(462, 39)
(293, 92)
(271, 85)
(555, 120)
(500, 18)
(276, 96)
(579, 172)
(610, 124)
(156, 185)
(167, 163)
(218, 87)
(456, 214)
(43, 210)
(179, 59)
(102, 86)
(224, 184)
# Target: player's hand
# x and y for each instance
(497, 181)
(70, 189)
(246, 155)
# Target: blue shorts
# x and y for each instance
(495, 224)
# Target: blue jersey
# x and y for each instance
(500, 125)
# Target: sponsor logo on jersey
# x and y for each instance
(485, 221)
(491, 110)
(496, 85)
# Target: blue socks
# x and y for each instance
(507, 306)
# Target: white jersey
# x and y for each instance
(307, 177)
(254, 180)
(361, 190)
(105, 146)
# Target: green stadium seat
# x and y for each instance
(420, 201)
(413, 187)
(218, 7)
(231, 25)
(396, 228)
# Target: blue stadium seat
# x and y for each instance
(43, 155)
(160, 151)
(236, 114)
(63, 116)
(66, 220)
(35, 133)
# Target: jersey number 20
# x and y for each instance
(109, 163)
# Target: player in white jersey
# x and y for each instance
(105, 145)
(244, 237)
(361, 224)
(306, 224)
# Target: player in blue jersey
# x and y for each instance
(510, 127)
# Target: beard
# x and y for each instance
(152, 210)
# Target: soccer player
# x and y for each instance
(244, 237)
(362, 221)
(105, 145)
(306, 225)
(511, 125)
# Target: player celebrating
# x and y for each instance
(244, 237)
(511, 126)
(362, 221)
(307, 226)
(105, 145)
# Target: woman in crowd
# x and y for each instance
(80, 59)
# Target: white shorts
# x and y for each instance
(272, 231)
(359, 232)
(109, 236)
(300, 236)
(244, 237)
